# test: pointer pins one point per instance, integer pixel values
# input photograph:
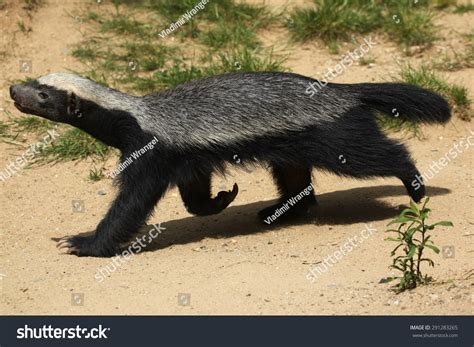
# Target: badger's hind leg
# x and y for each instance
(297, 197)
(196, 195)
(377, 155)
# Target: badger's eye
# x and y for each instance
(43, 95)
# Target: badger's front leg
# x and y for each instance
(133, 205)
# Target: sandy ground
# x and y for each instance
(229, 263)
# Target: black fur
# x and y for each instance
(333, 131)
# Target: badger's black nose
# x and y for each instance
(13, 92)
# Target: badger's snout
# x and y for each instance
(24, 99)
(19, 93)
(13, 91)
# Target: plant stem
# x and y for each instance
(420, 250)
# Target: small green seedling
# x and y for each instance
(412, 238)
(96, 174)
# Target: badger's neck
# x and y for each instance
(111, 117)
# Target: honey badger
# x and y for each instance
(200, 126)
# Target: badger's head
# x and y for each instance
(57, 96)
(105, 113)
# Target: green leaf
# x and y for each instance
(402, 220)
(414, 207)
(387, 279)
(392, 239)
(406, 211)
(411, 231)
(444, 223)
(435, 249)
(425, 202)
(394, 231)
(411, 252)
(424, 213)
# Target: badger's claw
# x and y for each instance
(83, 246)
(66, 245)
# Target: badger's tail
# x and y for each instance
(405, 101)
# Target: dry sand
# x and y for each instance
(228, 263)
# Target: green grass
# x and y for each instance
(4, 127)
(86, 53)
(403, 21)
(235, 24)
(214, 11)
(464, 8)
(415, 27)
(334, 20)
(395, 125)
(122, 25)
(456, 95)
(73, 144)
(455, 61)
(225, 35)
(32, 124)
(32, 5)
(96, 174)
(23, 27)
(216, 24)
(21, 81)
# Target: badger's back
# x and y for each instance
(241, 106)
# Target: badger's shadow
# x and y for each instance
(358, 205)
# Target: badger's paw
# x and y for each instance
(224, 198)
(82, 246)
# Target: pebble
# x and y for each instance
(101, 192)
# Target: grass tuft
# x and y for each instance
(74, 144)
(415, 27)
(464, 8)
(32, 124)
(96, 174)
(4, 127)
(331, 21)
(334, 20)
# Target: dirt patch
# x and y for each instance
(229, 263)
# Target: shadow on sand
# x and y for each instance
(342, 207)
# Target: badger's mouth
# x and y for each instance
(22, 108)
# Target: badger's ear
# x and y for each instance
(73, 105)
